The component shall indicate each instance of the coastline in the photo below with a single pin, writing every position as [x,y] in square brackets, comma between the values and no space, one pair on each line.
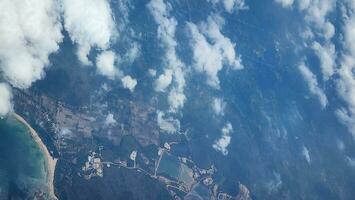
[50,161]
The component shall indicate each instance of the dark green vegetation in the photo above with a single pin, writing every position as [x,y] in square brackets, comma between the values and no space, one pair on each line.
[117,183]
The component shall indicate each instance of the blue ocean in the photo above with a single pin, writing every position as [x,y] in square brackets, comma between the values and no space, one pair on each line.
[22,169]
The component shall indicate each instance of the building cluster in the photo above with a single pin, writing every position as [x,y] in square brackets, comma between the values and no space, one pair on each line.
[93,166]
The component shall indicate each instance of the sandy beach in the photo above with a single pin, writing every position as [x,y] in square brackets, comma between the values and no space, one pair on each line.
[50,161]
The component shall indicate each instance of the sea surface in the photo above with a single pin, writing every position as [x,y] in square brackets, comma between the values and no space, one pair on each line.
[22,163]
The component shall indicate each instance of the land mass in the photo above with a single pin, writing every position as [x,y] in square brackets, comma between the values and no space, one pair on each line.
[129,157]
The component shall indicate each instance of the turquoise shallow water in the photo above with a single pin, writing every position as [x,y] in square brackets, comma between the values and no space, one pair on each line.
[22,164]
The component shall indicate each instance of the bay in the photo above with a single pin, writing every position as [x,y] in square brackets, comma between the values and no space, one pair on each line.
[22,163]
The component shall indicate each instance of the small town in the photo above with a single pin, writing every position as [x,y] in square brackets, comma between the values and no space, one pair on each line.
[185,182]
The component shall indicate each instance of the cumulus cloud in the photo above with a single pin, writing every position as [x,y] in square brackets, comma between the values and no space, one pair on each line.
[231,5]
[317,12]
[90,25]
[211,49]
[218,106]
[307,34]
[167,124]
[326,55]
[123,12]
[65,132]
[29,32]
[110,120]
[318,27]
[133,52]
[317,17]
[129,83]
[105,63]
[152,72]
[350,161]
[340,145]
[303,4]
[312,83]
[346,81]
[174,73]
[176,99]
[164,80]
[346,115]
[305,153]
[166,31]
[285,3]
[275,183]
[5,99]
[222,143]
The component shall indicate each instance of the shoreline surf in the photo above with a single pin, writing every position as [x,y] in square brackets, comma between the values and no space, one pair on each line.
[50,161]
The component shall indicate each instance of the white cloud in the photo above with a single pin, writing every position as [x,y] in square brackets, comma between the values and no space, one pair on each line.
[174,73]
[167,124]
[305,153]
[176,99]
[90,25]
[312,83]
[212,50]
[350,161]
[5,99]
[218,106]
[152,72]
[318,28]
[110,120]
[340,145]
[316,17]
[164,80]
[123,11]
[326,55]
[307,34]
[285,3]
[206,58]
[222,143]
[105,63]
[275,183]
[347,117]
[227,129]
[317,12]
[303,4]
[29,32]
[129,83]
[65,132]
[346,81]
[133,52]
[231,5]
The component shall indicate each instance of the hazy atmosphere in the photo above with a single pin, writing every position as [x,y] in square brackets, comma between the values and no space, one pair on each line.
[177,99]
